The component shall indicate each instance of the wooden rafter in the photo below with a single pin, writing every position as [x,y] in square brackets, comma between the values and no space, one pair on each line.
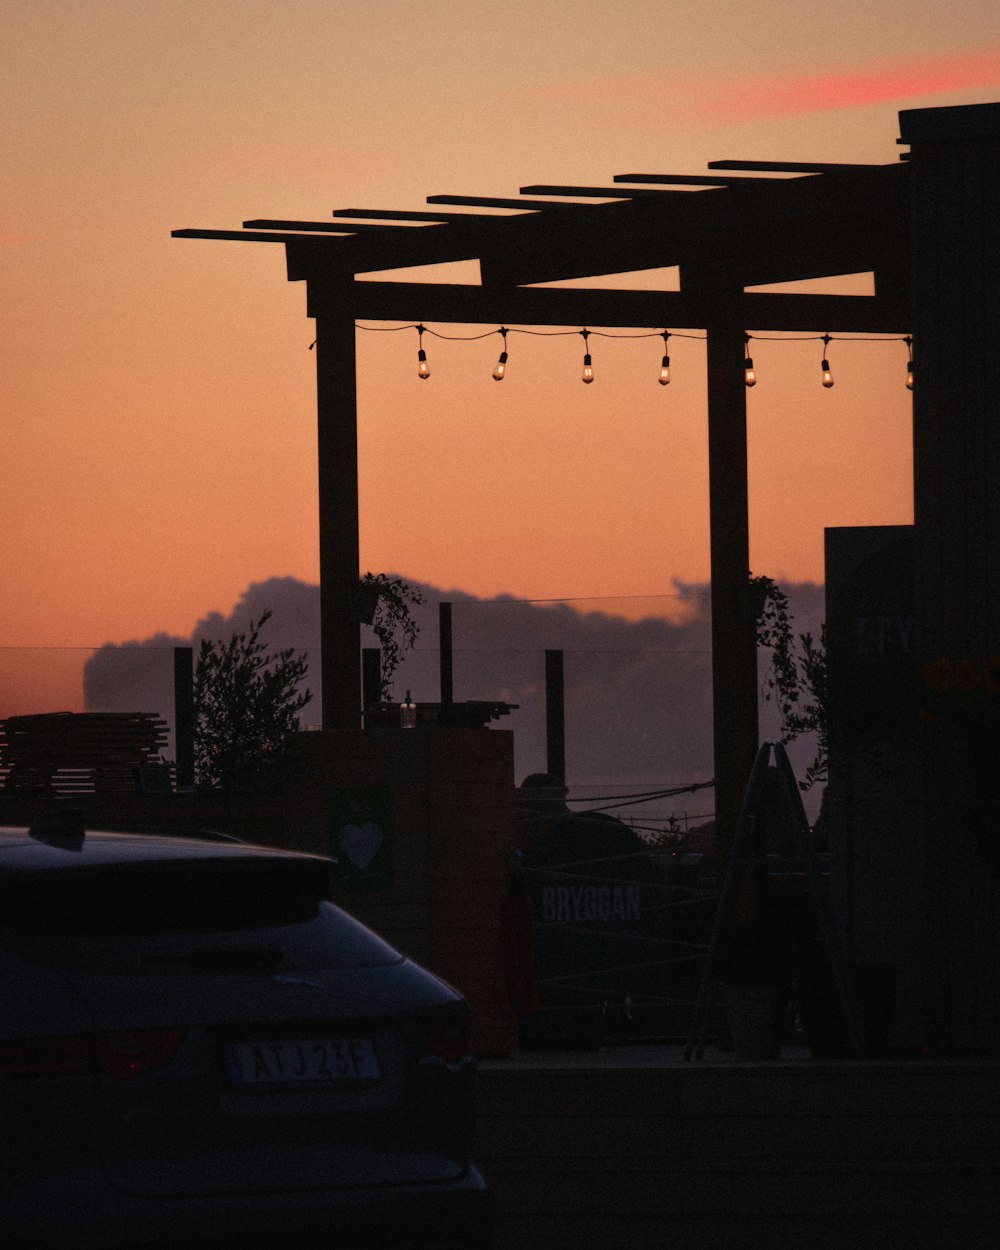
[766,222]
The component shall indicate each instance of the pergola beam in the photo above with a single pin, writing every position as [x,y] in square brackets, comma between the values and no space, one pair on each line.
[394,214]
[262,236]
[753,310]
[793,167]
[698,180]
[598,193]
[326,227]
[493,201]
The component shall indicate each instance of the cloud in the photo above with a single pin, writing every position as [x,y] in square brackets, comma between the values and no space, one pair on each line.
[638,692]
[658,98]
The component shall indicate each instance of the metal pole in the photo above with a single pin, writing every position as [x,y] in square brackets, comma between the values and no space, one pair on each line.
[446,661]
[555,716]
[184,716]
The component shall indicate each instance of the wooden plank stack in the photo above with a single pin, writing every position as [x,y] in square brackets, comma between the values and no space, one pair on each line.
[63,754]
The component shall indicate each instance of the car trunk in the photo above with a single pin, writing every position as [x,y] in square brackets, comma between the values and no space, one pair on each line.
[252,1038]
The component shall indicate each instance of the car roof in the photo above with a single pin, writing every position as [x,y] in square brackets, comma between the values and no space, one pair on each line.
[51,845]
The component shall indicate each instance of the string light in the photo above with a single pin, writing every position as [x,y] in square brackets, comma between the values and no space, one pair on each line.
[664,378]
[588,368]
[749,376]
[423,369]
[825,364]
[500,369]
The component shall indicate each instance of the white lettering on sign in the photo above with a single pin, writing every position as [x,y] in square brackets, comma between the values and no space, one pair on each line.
[589,902]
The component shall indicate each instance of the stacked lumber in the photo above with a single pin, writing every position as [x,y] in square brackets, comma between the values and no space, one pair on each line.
[70,753]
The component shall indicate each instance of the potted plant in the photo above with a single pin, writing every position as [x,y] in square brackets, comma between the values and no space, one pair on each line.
[754,970]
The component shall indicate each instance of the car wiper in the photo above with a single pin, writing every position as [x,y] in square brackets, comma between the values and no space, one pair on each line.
[254,961]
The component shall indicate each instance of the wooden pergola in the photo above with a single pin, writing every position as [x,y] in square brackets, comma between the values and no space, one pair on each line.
[744,224]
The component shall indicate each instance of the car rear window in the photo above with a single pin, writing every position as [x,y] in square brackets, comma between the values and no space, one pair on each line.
[252,914]
[164,896]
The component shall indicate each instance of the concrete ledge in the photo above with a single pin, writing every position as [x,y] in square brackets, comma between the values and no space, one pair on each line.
[634,1147]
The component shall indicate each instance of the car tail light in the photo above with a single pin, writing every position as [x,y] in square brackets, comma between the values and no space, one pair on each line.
[125,1055]
[120,1055]
[448,1039]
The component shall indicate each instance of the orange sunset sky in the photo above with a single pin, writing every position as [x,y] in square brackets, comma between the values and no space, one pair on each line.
[157,395]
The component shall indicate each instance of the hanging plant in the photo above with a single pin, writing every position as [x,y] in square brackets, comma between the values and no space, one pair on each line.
[385,603]
[797,680]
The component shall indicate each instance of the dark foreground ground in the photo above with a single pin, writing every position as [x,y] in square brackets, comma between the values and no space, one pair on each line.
[632,1147]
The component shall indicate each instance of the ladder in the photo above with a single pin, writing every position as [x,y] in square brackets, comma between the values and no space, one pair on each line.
[772,792]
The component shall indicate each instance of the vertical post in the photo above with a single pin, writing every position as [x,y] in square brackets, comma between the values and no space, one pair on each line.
[555,716]
[371,677]
[184,716]
[446,659]
[734,640]
[336,400]
[955,180]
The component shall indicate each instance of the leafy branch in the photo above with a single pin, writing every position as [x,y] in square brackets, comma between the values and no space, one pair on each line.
[385,604]
[798,677]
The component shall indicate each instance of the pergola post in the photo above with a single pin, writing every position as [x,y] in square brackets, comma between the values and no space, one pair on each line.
[337,445]
[734,642]
[955,175]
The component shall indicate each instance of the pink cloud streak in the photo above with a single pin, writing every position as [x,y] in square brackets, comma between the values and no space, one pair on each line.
[656,98]
[877,83]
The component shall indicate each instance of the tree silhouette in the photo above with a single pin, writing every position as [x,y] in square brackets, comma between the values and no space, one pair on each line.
[246,706]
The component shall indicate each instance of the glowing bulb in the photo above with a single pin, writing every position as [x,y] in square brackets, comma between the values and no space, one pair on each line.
[664,378]
[909,375]
[588,368]
[824,364]
[501,368]
[749,377]
[423,369]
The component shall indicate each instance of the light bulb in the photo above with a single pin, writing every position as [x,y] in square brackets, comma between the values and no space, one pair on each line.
[909,376]
[588,369]
[749,377]
[664,378]
[423,369]
[827,375]
[501,368]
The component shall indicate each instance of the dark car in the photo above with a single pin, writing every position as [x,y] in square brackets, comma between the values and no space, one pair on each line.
[196,1046]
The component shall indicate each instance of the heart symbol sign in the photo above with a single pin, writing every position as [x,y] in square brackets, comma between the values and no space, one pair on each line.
[360,843]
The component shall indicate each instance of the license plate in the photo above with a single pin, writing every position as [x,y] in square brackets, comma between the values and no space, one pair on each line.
[303,1061]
